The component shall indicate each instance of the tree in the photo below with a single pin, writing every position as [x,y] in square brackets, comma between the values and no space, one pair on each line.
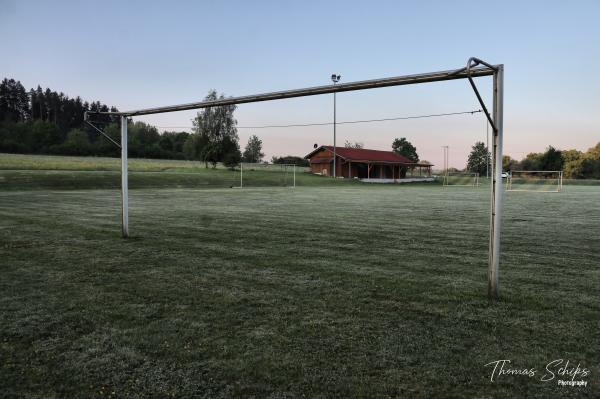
[46,136]
[478,159]
[404,147]
[76,143]
[210,154]
[290,160]
[143,140]
[572,164]
[230,152]
[14,101]
[531,161]
[591,163]
[252,152]
[551,159]
[194,147]
[213,125]
[356,144]
[508,163]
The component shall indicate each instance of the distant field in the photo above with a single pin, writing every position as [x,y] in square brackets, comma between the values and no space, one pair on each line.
[31,172]
[321,291]
[54,162]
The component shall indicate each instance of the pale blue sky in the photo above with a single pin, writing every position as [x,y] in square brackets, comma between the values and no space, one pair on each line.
[147,53]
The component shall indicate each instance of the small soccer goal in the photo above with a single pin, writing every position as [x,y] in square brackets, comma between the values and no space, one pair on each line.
[535,180]
[461,179]
[266,175]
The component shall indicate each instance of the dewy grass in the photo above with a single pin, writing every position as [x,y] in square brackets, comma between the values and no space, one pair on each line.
[339,291]
[32,172]
[54,162]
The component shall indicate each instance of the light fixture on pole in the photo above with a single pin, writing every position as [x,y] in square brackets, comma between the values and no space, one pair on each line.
[334,78]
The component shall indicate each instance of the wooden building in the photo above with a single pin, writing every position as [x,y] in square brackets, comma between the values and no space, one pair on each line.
[364,164]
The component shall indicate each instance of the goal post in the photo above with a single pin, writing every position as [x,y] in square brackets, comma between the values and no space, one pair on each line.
[475,68]
[549,181]
[461,179]
[267,175]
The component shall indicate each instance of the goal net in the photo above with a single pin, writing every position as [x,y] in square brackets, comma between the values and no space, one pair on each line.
[535,180]
[461,179]
[266,175]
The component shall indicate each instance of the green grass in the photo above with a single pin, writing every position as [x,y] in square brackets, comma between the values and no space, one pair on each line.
[33,172]
[348,291]
[54,162]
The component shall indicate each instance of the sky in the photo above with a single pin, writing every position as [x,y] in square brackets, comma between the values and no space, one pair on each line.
[139,54]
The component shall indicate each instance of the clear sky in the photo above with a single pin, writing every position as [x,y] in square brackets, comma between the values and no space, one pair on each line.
[135,54]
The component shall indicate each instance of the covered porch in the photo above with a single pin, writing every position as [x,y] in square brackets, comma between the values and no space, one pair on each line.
[382,170]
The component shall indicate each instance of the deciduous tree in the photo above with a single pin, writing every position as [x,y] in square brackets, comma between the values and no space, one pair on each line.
[478,158]
[405,148]
[253,151]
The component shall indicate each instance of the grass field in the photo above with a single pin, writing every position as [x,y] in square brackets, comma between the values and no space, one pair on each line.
[29,172]
[327,290]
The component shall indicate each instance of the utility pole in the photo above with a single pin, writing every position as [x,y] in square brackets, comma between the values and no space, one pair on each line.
[334,78]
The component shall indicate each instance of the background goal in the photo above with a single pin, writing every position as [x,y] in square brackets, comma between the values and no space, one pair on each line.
[461,179]
[267,175]
[535,180]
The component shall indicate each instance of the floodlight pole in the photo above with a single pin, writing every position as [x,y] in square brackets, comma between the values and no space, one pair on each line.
[496,214]
[124,188]
[334,143]
[334,78]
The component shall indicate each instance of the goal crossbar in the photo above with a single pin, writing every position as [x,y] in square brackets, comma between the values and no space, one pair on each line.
[474,68]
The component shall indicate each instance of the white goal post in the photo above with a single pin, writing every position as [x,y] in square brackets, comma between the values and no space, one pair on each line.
[267,175]
[545,181]
[475,68]
[461,179]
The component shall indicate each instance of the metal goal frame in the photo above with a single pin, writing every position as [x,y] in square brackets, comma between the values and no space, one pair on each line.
[474,176]
[559,180]
[292,166]
[475,68]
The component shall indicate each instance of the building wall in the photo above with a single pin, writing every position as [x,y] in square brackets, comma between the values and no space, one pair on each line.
[357,169]
[321,168]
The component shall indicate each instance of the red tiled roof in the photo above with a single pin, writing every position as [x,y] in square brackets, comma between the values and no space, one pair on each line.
[363,154]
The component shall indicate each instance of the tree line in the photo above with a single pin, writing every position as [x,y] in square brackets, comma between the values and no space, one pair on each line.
[46,122]
[574,164]
[42,121]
